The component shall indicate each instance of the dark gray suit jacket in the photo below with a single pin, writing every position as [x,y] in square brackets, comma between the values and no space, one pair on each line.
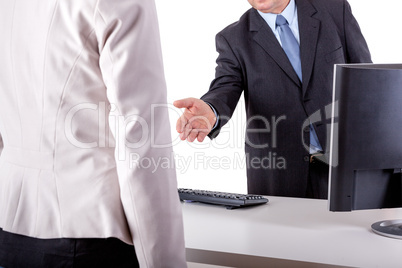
[252,61]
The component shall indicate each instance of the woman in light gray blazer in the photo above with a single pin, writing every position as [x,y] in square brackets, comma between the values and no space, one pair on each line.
[86,168]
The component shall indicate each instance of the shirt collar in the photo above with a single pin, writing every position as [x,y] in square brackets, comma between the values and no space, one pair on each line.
[289,13]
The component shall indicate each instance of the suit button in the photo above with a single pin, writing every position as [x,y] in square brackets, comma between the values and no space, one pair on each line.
[306,129]
[307,158]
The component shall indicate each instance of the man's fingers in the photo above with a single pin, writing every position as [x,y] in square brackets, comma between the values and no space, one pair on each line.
[201,136]
[198,134]
[181,123]
[186,131]
[200,122]
[184,103]
[192,136]
[196,124]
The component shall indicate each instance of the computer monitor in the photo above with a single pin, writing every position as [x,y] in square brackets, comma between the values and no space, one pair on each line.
[366,140]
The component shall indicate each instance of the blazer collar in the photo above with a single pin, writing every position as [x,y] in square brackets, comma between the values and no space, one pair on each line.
[308,31]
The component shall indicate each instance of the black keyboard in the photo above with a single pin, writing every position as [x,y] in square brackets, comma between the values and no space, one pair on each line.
[229,200]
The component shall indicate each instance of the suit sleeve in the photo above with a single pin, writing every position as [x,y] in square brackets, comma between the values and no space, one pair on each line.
[227,87]
[132,69]
[356,47]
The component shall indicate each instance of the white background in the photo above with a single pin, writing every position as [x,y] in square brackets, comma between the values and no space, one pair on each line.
[188,30]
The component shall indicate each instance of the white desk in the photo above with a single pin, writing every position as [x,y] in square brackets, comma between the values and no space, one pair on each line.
[288,232]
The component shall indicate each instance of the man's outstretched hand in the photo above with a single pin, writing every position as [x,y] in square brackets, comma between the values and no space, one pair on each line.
[197,120]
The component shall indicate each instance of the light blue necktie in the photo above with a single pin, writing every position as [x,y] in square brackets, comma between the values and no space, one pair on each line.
[292,50]
[289,44]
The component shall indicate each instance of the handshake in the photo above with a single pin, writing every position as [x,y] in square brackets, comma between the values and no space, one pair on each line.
[197,120]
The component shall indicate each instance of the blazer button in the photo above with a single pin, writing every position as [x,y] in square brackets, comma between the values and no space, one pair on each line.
[306,129]
[307,158]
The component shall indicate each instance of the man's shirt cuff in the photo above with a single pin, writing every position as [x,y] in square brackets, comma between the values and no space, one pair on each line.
[216,115]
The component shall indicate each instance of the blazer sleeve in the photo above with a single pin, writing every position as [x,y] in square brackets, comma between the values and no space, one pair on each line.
[227,87]
[356,46]
[132,69]
[1,144]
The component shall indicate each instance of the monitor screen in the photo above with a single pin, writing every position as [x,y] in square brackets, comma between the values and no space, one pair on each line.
[366,137]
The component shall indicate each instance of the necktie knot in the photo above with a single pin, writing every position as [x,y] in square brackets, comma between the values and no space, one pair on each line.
[280,20]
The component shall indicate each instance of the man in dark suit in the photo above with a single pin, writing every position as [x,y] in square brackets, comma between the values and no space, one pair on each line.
[284,103]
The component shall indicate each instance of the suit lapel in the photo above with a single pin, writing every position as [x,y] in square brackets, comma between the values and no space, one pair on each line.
[267,40]
[308,30]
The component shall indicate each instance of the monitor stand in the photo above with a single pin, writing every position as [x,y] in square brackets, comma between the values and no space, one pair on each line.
[392,228]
